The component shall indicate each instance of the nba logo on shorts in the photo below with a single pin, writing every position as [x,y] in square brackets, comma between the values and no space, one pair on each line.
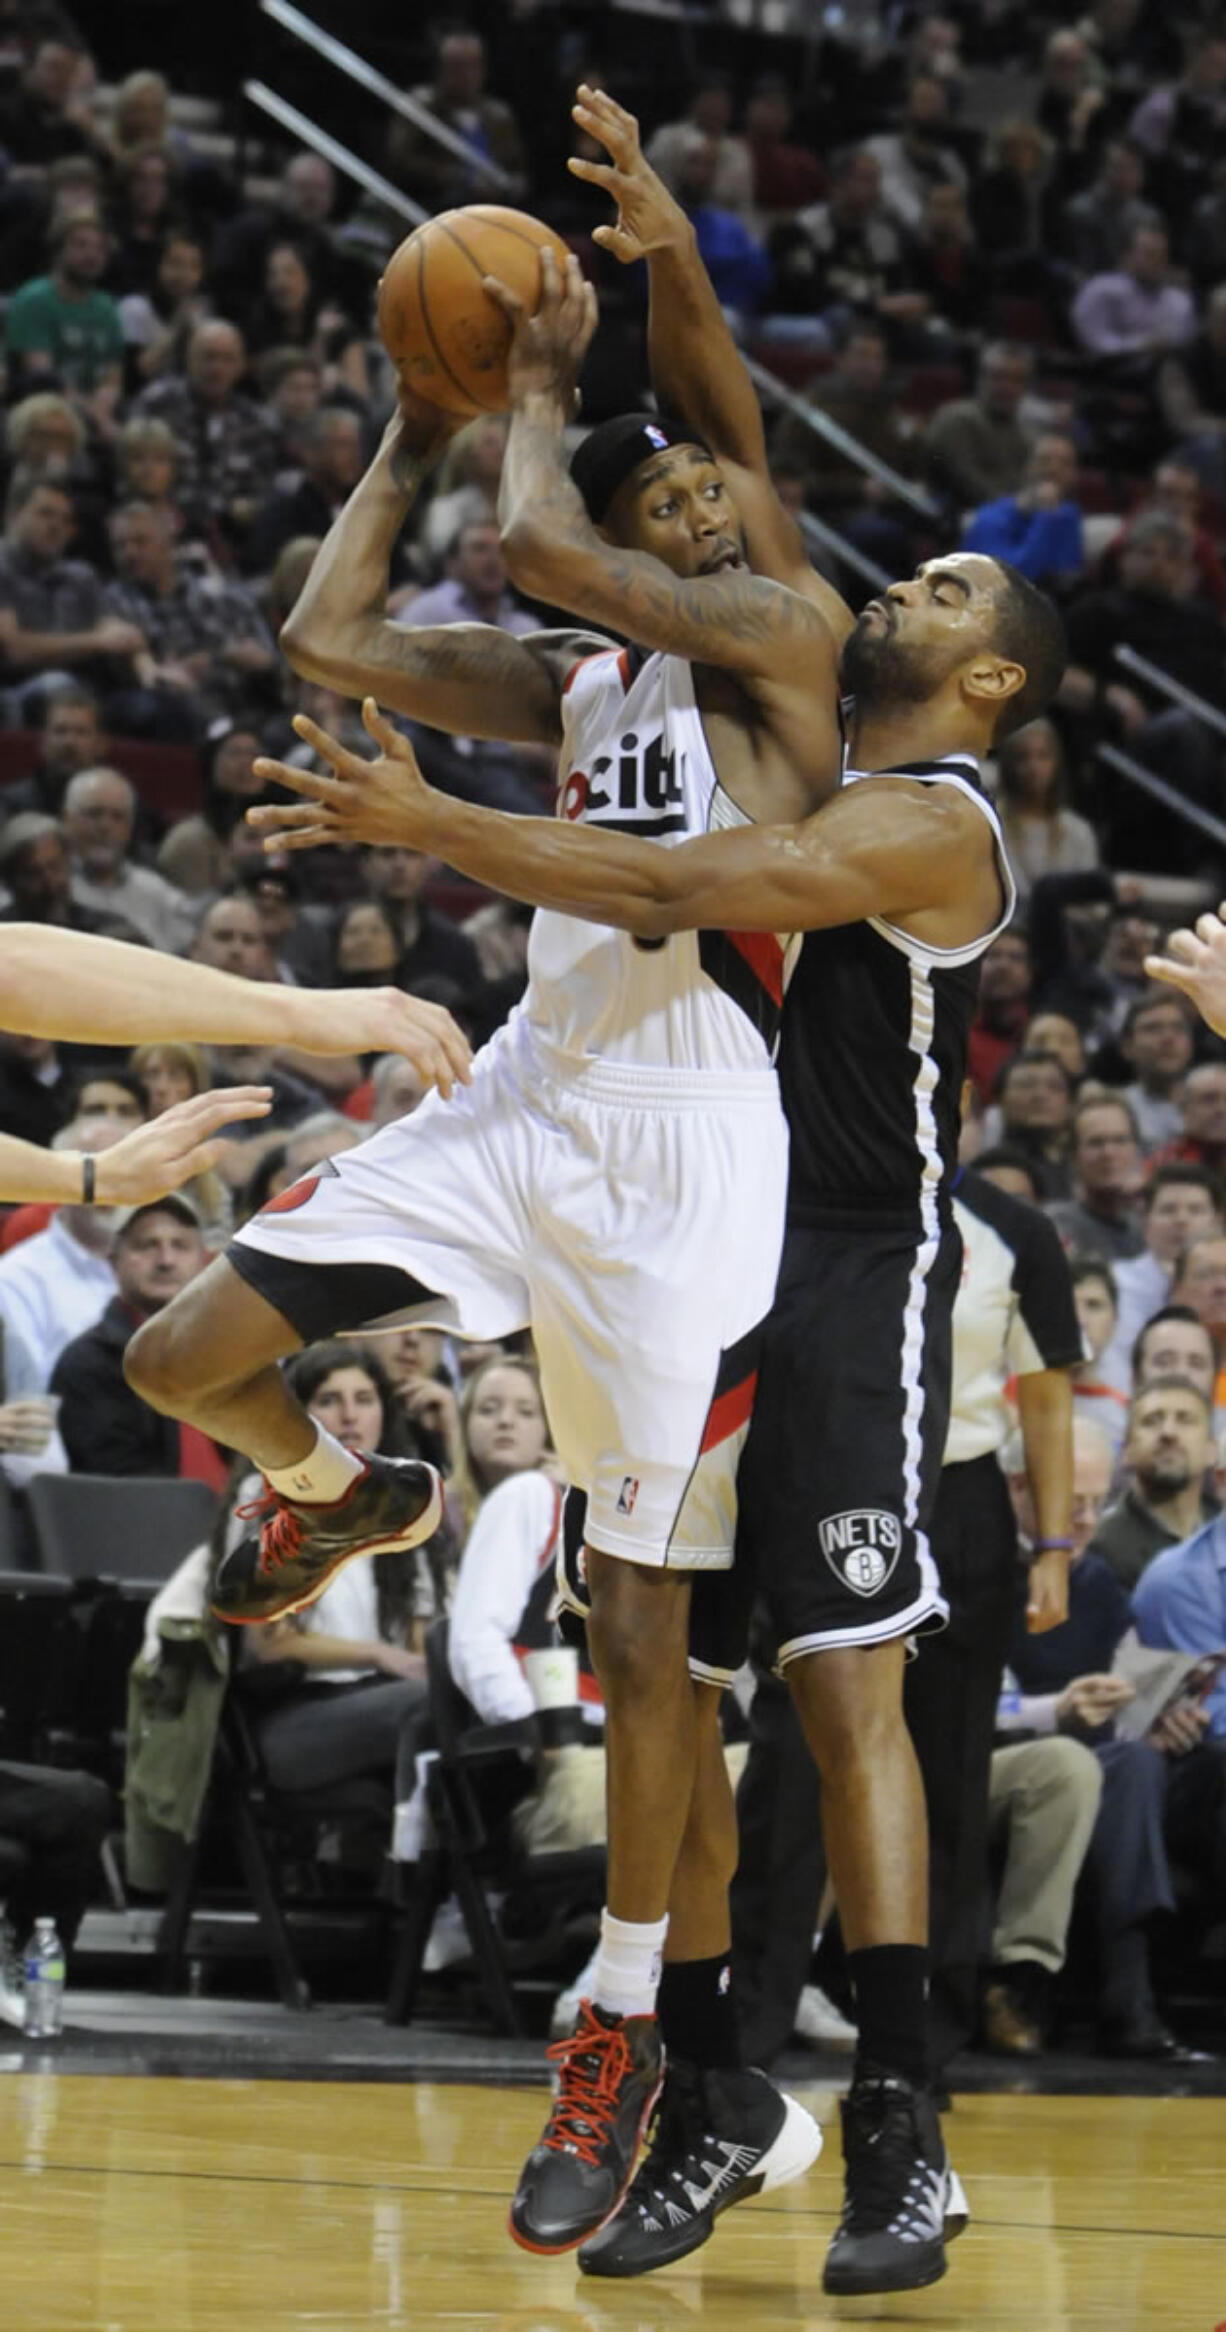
[627,1494]
[861,1547]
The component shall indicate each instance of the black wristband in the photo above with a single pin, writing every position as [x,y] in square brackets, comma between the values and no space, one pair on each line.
[89,1177]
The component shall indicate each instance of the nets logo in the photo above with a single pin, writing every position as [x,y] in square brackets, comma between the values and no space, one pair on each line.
[861,1547]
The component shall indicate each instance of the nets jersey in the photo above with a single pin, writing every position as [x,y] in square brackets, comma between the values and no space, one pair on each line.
[635,760]
[873,1052]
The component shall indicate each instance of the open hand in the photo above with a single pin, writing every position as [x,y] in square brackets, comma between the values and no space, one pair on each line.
[386,800]
[648,218]
[385,1020]
[1196,962]
[175,1147]
[548,348]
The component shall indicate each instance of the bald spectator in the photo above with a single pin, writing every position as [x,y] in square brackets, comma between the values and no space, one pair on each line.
[72,739]
[230,936]
[457,95]
[917,156]
[208,648]
[52,615]
[98,822]
[228,442]
[330,450]
[976,447]
[707,120]
[62,326]
[1104,1218]
[1134,313]
[1071,100]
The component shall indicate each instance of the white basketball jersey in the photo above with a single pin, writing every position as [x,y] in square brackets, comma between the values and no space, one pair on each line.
[635,760]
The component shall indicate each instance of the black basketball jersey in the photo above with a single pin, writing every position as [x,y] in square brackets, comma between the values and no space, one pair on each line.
[872,1054]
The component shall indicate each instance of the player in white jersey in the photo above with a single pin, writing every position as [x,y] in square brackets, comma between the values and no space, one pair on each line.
[613,1176]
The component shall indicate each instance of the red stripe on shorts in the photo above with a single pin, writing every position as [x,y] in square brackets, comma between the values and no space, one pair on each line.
[732,1410]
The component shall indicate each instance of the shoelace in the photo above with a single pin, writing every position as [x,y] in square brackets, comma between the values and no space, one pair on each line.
[594,2060]
[280,1530]
[880,2167]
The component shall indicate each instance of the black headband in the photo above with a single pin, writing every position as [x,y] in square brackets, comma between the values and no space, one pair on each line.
[610,452]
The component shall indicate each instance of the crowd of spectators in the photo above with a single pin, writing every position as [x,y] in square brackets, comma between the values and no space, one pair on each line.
[996,255]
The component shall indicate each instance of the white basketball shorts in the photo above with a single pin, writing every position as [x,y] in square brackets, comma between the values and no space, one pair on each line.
[631,1218]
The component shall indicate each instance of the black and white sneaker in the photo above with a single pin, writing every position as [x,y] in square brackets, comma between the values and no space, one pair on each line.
[902,2201]
[720,2136]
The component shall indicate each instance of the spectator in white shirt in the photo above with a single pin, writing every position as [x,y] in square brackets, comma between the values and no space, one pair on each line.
[57,1284]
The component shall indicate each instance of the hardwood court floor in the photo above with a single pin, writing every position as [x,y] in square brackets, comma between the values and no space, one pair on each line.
[135,2205]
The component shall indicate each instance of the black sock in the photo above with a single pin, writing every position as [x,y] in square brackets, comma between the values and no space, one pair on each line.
[890,1983]
[697,2012]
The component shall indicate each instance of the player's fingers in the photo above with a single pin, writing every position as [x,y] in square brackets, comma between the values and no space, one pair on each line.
[378,726]
[596,173]
[1183,947]
[315,784]
[272,819]
[501,293]
[1208,928]
[322,834]
[551,283]
[206,1112]
[616,240]
[342,760]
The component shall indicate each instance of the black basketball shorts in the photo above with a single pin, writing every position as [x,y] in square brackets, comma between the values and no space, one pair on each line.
[840,1470]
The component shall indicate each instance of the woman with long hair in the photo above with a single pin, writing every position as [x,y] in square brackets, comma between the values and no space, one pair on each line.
[354,1705]
[196,853]
[503,1429]
[1042,835]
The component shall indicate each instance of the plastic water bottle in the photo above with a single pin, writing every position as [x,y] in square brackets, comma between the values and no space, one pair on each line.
[44,1982]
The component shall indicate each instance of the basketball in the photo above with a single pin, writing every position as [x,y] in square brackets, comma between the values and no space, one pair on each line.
[446,337]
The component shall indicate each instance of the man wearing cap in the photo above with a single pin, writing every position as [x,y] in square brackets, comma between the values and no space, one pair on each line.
[105,1427]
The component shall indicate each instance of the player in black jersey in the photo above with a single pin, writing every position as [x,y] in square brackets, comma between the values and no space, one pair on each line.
[899,882]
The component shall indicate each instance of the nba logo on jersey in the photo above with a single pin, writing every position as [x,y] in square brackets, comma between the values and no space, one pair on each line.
[627,1494]
[861,1547]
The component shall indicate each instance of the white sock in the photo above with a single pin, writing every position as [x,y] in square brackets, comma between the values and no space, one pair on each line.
[628,1964]
[319,1479]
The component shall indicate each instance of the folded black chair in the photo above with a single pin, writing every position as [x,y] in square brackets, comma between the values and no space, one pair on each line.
[473,1782]
[129,1527]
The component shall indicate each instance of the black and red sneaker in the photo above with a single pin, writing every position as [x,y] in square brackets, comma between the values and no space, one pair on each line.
[610,2071]
[289,1560]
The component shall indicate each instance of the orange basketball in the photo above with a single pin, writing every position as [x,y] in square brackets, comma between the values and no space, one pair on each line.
[446,337]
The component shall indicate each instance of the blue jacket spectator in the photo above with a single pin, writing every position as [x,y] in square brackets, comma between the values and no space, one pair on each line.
[733,258]
[1179,1605]
[1038,529]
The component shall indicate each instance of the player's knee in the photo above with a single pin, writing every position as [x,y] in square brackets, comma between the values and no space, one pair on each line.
[167,1364]
[850,1704]
[636,1631]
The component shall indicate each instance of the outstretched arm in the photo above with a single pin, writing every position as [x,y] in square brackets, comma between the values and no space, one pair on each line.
[696,366]
[736,620]
[83,990]
[144,1165]
[471,679]
[887,846]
